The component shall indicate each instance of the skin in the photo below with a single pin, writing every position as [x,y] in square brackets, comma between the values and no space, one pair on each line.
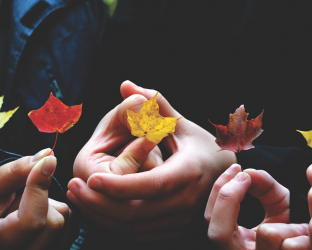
[135,193]
[30,220]
[273,233]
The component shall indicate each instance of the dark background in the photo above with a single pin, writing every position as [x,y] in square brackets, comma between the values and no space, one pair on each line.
[209,57]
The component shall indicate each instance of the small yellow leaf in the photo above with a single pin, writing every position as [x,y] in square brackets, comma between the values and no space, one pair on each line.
[1,101]
[5,116]
[148,122]
[308,136]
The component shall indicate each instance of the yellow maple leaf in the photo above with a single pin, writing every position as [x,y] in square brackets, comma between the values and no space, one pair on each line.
[149,123]
[308,136]
[5,116]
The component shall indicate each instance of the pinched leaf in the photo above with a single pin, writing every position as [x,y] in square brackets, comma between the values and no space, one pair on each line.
[5,116]
[239,133]
[148,122]
[308,136]
[55,116]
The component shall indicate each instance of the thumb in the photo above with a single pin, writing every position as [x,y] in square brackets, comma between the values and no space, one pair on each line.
[34,202]
[132,157]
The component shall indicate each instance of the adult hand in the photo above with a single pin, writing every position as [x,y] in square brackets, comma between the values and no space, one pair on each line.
[30,220]
[148,205]
[223,208]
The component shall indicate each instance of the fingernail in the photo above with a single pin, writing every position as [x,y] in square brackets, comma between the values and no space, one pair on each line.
[94,183]
[241,177]
[233,169]
[47,165]
[40,155]
[74,189]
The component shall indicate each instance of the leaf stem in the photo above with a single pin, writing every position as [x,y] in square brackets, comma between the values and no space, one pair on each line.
[54,143]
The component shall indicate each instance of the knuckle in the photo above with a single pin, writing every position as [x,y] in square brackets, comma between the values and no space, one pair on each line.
[215,235]
[217,186]
[158,184]
[55,222]
[267,233]
[62,208]
[226,194]
[38,223]
[16,168]
[197,174]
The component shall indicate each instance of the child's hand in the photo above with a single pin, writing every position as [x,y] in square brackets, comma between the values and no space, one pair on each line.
[224,204]
[30,221]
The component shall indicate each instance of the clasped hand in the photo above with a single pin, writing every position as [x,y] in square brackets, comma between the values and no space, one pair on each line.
[123,183]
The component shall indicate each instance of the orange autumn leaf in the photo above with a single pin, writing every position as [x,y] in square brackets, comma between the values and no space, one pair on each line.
[55,116]
[239,133]
[149,123]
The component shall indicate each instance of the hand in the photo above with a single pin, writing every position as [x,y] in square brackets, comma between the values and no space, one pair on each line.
[30,220]
[149,205]
[309,175]
[223,208]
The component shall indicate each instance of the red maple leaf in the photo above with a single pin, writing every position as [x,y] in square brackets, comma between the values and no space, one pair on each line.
[55,116]
[239,133]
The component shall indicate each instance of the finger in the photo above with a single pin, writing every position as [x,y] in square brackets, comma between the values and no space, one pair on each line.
[296,243]
[273,196]
[112,133]
[270,236]
[154,158]
[20,227]
[128,88]
[13,175]
[222,180]
[61,207]
[34,203]
[183,127]
[133,157]
[51,232]
[309,174]
[310,201]
[223,221]
[98,218]
[144,185]
[310,232]
[169,221]
[132,210]
[5,203]
[14,205]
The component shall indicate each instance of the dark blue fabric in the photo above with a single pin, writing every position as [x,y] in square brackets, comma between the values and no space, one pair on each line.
[49,44]
[55,43]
